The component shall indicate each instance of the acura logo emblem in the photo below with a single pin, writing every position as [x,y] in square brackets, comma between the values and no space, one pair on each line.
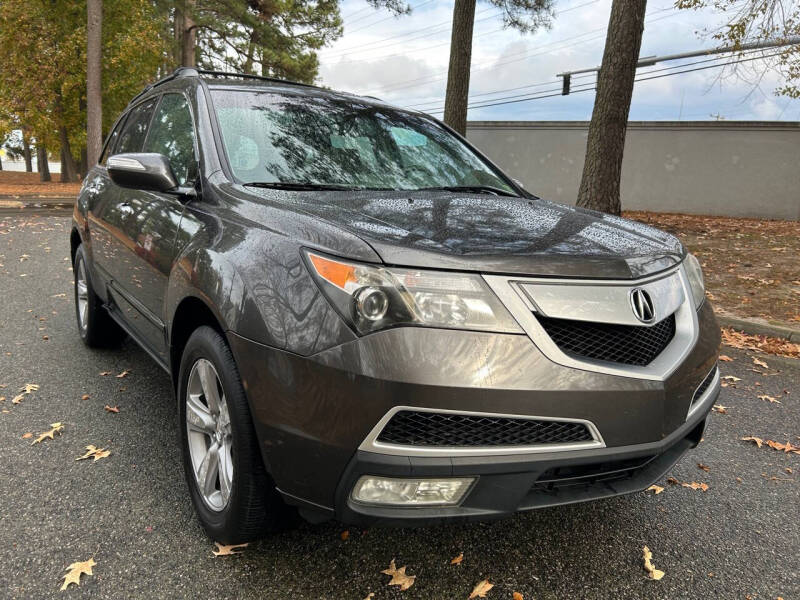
[642,305]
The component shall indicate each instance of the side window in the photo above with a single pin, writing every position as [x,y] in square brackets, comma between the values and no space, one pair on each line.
[112,139]
[132,137]
[172,134]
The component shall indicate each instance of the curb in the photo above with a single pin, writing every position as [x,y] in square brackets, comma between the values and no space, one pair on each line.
[36,203]
[760,328]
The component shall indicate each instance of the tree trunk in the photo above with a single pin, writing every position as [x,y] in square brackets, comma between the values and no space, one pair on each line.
[1,164]
[69,171]
[189,37]
[177,30]
[26,152]
[602,169]
[41,162]
[455,102]
[94,69]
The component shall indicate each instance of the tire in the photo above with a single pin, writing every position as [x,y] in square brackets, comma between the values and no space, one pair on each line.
[97,329]
[236,501]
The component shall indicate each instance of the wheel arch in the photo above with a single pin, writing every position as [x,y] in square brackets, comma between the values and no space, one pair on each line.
[192,312]
[75,240]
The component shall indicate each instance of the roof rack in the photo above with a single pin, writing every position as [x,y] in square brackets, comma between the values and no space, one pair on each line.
[176,74]
[250,76]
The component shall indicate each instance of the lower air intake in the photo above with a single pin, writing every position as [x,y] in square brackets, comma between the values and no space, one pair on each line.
[413,428]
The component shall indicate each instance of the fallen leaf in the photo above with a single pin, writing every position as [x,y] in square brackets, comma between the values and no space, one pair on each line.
[656,488]
[344,535]
[104,373]
[26,436]
[481,589]
[457,560]
[760,363]
[648,565]
[758,441]
[789,470]
[672,481]
[696,486]
[123,374]
[223,550]
[111,409]
[723,410]
[55,428]
[75,570]
[17,399]
[725,358]
[94,452]
[771,399]
[731,378]
[703,467]
[369,596]
[85,397]
[517,596]
[30,387]
[787,447]
[399,576]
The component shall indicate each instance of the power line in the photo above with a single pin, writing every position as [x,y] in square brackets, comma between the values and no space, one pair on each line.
[582,75]
[387,18]
[593,86]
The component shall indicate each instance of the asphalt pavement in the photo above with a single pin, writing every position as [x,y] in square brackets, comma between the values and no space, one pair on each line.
[131,513]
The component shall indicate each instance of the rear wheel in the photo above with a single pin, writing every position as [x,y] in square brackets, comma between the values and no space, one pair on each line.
[96,327]
[232,493]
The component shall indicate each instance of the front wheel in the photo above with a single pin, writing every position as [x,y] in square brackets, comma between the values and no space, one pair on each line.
[230,488]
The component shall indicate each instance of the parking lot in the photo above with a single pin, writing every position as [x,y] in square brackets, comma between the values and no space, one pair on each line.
[131,513]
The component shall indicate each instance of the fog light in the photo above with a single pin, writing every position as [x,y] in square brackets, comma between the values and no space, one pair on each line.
[372,303]
[411,492]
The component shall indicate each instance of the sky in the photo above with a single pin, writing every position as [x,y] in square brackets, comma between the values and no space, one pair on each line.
[404,61]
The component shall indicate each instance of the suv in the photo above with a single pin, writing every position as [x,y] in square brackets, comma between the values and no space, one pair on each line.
[365,319]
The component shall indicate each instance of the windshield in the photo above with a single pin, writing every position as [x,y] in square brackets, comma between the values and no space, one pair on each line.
[287,138]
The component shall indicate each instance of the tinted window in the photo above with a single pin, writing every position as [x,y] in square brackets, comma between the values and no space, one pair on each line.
[135,130]
[110,142]
[172,134]
[326,140]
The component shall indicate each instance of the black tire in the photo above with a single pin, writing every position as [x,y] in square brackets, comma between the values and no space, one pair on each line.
[253,508]
[98,330]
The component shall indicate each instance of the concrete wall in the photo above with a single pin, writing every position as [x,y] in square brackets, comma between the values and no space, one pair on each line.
[740,169]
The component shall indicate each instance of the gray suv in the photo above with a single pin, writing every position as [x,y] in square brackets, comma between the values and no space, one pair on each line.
[365,319]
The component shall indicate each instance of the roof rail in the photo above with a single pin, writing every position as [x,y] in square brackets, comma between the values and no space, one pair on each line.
[250,76]
[176,74]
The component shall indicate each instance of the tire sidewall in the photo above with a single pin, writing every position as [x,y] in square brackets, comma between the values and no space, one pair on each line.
[80,257]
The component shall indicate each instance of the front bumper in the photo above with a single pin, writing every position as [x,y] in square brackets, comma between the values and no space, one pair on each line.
[313,413]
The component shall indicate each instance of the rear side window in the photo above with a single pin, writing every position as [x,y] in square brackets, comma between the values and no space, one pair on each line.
[172,134]
[112,139]
[133,134]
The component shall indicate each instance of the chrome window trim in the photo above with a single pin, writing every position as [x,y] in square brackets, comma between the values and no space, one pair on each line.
[713,387]
[521,306]
[371,443]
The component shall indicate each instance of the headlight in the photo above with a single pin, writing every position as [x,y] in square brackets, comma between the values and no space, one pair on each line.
[695,274]
[372,298]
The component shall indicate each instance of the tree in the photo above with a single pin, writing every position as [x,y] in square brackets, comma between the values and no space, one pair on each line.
[756,21]
[94,75]
[602,169]
[524,15]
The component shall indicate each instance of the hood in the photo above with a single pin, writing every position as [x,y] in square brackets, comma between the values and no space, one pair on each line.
[494,234]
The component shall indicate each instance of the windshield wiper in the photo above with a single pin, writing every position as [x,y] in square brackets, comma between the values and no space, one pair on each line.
[475,189]
[300,185]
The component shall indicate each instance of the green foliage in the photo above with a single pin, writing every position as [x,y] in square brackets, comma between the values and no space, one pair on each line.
[526,15]
[755,21]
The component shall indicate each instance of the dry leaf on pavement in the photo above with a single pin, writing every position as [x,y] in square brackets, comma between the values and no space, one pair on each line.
[123,374]
[344,535]
[481,589]
[725,358]
[77,569]
[758,441]
[27,436]
[113,409]
[672,481]
[55,428]
[703,467]
[771,399]
[457,560]
[656,488]
[517,596]
[94,452]
[223,550]
[369,596]
[85,397]
[760,363]
[723,410]
[648,565]
[104,373]
[399,576]
[696,486]
[731,378]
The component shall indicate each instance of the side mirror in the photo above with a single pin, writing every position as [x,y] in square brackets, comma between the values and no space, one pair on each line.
[142,171]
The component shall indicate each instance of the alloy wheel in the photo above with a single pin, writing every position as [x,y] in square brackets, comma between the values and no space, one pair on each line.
[82,296]
[209,435]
